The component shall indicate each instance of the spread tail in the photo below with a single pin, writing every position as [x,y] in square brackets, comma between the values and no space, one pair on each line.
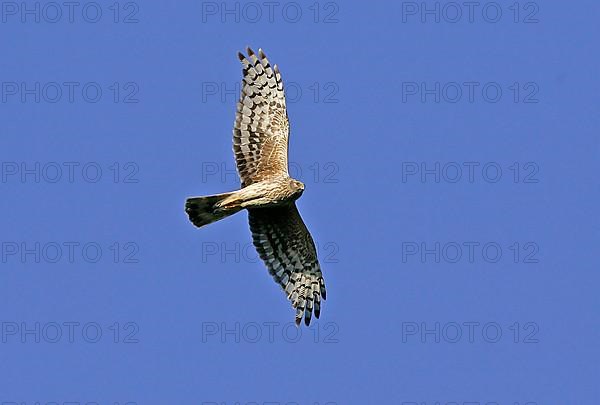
[205,210]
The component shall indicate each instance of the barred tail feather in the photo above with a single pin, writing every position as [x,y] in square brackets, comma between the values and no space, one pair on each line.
[205,210]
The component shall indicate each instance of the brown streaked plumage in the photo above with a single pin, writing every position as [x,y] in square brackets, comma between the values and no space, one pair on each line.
[260,146]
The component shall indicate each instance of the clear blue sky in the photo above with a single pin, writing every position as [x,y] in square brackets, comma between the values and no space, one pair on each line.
[450,157]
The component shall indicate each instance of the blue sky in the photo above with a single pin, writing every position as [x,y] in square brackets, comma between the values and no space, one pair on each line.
[450,156]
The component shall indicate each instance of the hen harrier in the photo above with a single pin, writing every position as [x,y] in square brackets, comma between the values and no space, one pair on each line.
[260,145]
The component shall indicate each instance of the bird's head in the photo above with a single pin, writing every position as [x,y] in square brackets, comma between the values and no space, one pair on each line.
[297,187]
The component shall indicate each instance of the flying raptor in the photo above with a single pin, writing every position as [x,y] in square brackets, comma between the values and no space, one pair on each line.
[260,144]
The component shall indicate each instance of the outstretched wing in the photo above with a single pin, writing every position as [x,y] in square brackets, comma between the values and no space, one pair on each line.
[261,129]
[285,245]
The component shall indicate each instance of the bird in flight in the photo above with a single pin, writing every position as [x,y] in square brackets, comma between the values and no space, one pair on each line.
[260,144]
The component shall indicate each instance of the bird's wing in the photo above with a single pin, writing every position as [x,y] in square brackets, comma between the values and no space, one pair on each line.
[261,129]
[285,245]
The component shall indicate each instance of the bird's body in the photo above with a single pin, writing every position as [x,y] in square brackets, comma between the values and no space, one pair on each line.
[260,142]
[266,193]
